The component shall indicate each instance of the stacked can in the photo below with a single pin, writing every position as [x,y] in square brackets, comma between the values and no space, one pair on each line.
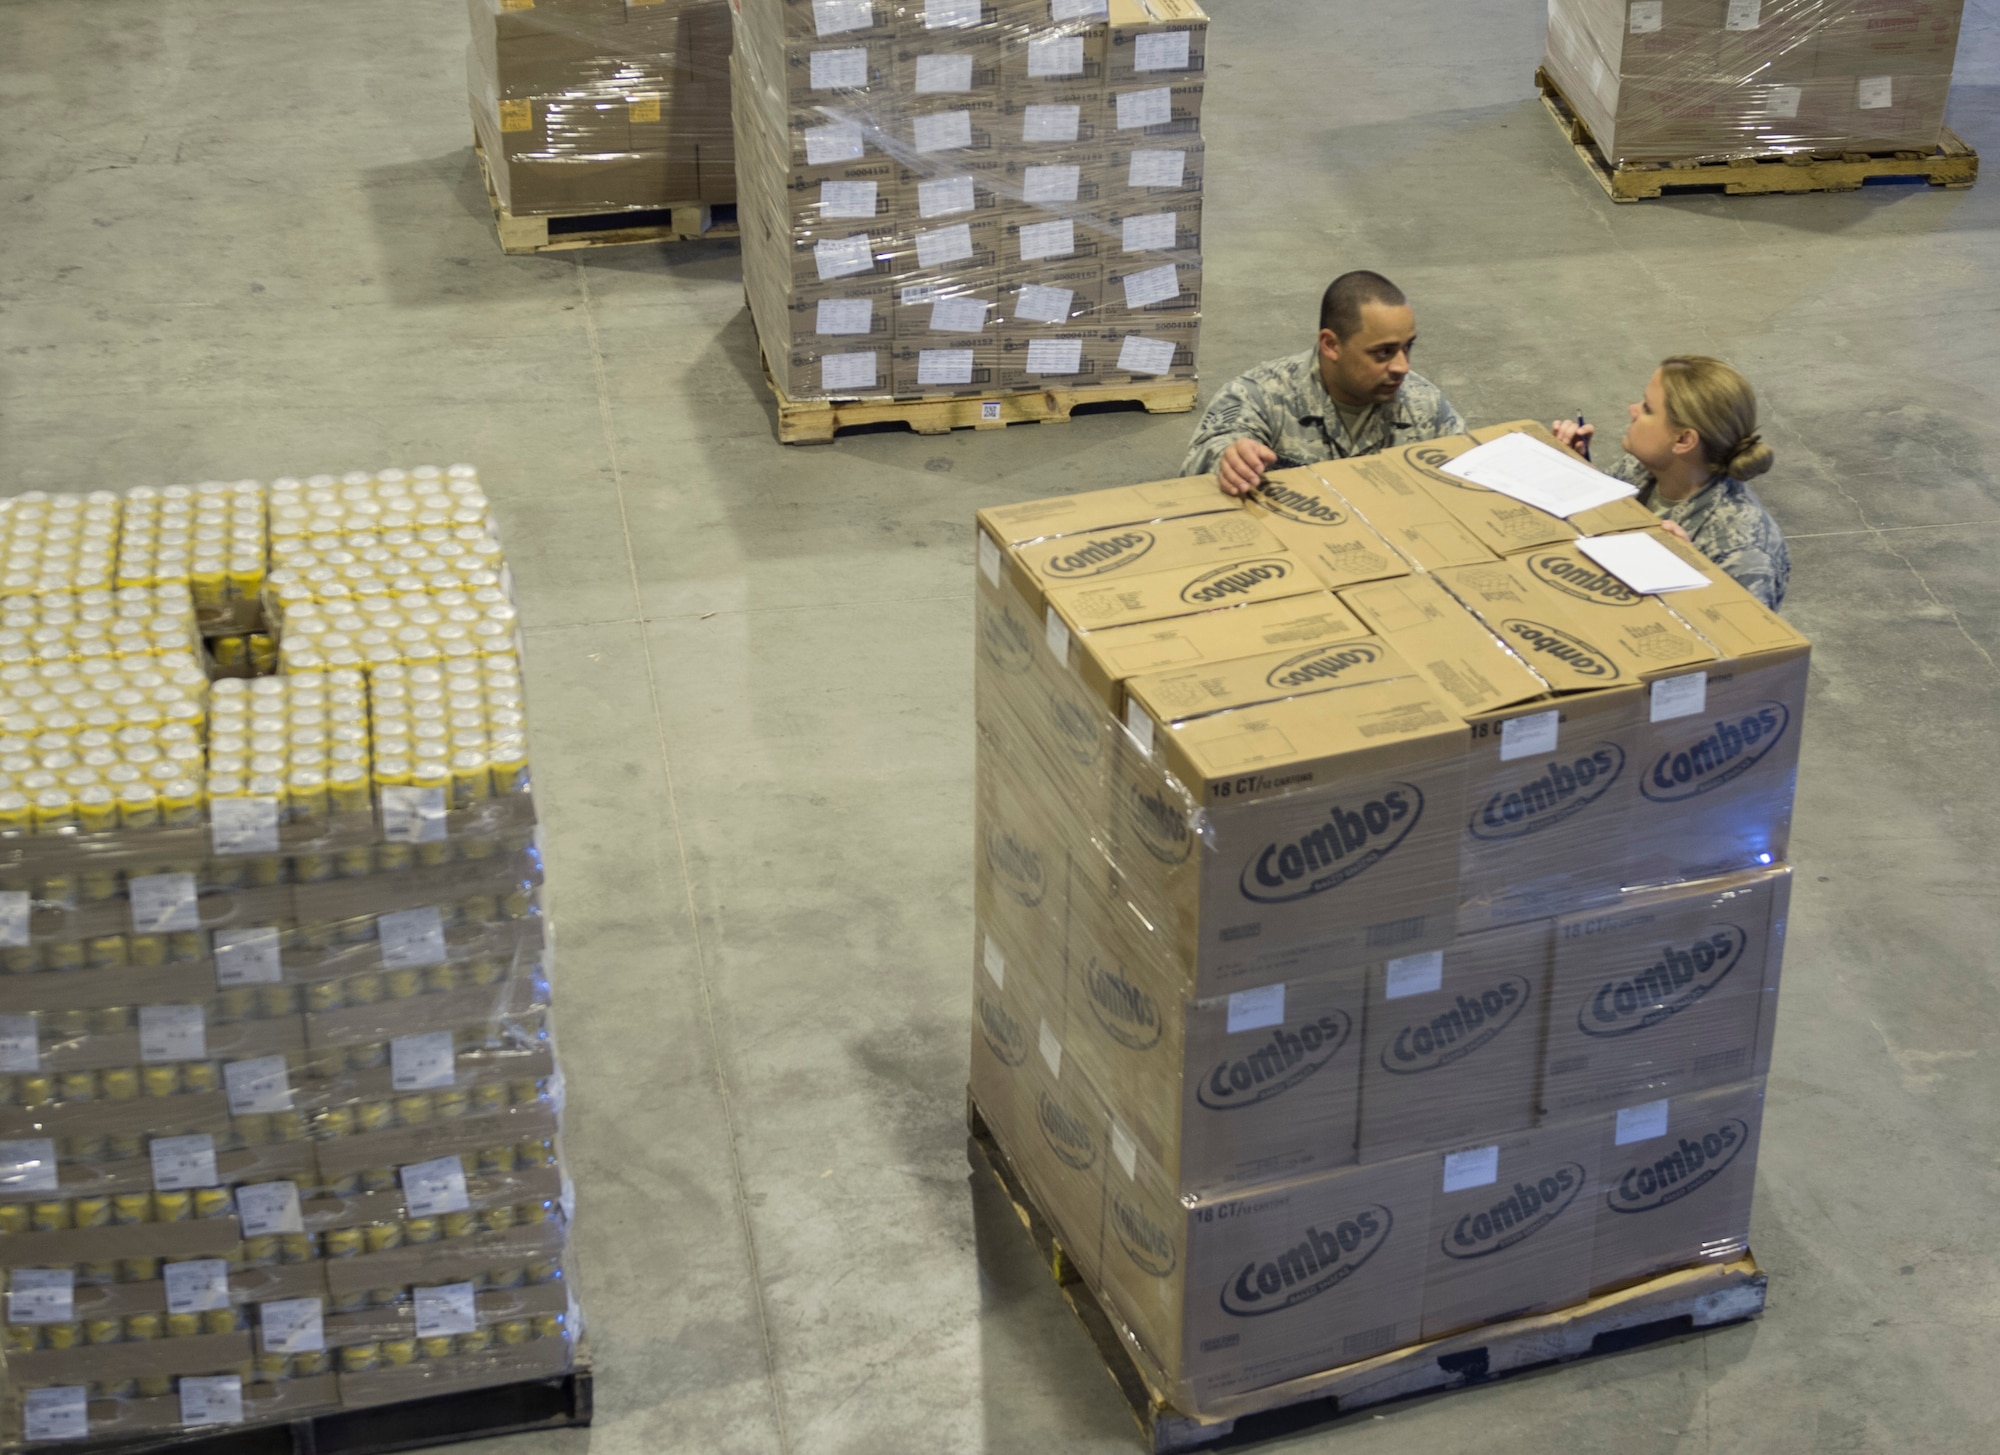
[98,625]
[209,537]
[57,543]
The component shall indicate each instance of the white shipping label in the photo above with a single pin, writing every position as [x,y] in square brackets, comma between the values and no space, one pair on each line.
[258,1086]
[942,246]
[1055,355]
[172,1033]
[1055,55]
[1523,737]
[943,131]
[1061,10]
[1055,634]
[989,559]
[847,199]
[14,909]
[835,17]
[1680,696]
[1048,239]
[211,1400]
[1875,93]
[1744,15]
[1051,1050]
[838,142]
[1123,1149]
[950,14]
[1153,285]
[944,366]
[844,316]
[432,1189]
[845,372]
[1038,304]
[1641,1123]
[411,938]
[995,961]
[1050,184]
[843,257]
[413,815]
[1646,16]
[1165,50]
[1783,101]
[248,956]
[944,196]
[164,903]
[1145,108]
[1050,123]
[1150,232]
[1146,355]
[20,1044]
[1139,725]
[41,1296]
[959,315]
[243,825]
[196,1286]
[1418,974]
[292,1326]
[1156,169]
[1255,1010]
[28,1165]
[181,1164]
[265,1208]
[1478,1167]
[841,70]
[422,1062]
[59,1413]
[944,75]
[445,1310]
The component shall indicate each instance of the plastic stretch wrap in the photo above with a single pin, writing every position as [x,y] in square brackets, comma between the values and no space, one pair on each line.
[1379,906]
[600,105]
[944,197]
[277,1070]
[1684,80]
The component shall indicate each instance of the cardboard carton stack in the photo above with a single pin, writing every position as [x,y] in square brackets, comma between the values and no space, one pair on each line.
[950,197]
[281,1102]
[1672,80]
[602,105]
[1380,906]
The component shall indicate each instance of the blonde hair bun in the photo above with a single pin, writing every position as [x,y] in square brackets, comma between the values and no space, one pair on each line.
[1752,458]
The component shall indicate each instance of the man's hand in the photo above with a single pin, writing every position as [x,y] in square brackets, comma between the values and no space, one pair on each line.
[1242,466]
[1576,436]
[1673,528]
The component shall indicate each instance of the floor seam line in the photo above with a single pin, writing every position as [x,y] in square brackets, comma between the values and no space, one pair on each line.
[1817,535]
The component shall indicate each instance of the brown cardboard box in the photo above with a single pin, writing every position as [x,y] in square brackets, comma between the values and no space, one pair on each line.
[936,66]
[1678,1177]
[1512,1227]
[944,367]
[1062,1146]
[1035,237]
[839,369]
[958,314]
[1452,1049]
[1145,230]
[1051,124]
[1181,694]
[1151,168]
[1402,512]
[1882,37]
[1153,107]
[1059,183]
[1052,58]
[1204,540]
[1503,524]
[1322,530]
[1158,346]
[1156,595]
[1008,525]
[1047,359]
[1022,869]
[841,74]
[1889,112]
[1072,293]
[1671,991]
[1156,39]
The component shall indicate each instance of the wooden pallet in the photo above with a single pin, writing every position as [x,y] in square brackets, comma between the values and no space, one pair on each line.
[1953,164]
[681,222]
[816,421]
[1672,1304]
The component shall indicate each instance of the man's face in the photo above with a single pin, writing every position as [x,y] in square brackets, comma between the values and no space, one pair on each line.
[1369,367]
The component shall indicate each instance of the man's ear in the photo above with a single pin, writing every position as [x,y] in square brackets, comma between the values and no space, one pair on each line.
[1329,345]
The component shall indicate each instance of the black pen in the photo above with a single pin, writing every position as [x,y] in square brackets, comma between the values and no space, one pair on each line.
[1584,442]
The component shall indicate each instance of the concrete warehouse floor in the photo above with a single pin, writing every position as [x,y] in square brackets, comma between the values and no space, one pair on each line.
[246,239]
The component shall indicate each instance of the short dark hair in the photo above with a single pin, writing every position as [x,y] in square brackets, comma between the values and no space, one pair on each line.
[1340,308]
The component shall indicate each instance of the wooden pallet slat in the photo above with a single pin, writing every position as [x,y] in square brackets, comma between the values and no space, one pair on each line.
[1952,164]
[564,232]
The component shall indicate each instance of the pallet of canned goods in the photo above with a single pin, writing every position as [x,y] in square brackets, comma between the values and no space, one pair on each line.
[279,1100]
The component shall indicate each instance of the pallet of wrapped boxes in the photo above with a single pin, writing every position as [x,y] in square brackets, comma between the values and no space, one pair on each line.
[1757,95]
[1379,911]
[958,212]
[601,122]
[281,1101]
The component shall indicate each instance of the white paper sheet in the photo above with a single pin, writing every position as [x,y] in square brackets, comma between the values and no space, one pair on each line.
[1523,468]
[1642,563]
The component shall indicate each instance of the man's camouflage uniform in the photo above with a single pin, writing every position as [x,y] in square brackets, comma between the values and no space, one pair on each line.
[1727,523]
[1284,405]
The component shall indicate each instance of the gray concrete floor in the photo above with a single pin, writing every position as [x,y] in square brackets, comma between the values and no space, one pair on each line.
[247,239]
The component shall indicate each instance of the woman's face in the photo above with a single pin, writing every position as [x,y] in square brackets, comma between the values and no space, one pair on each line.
[1650,440]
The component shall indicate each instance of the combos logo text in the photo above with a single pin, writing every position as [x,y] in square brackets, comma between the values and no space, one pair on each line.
[1100,554]
[1471,1022]
[1143,1240]
[1017,867]
[1561,791]
[1162,826]
[1322,664]
[1004,1036]
[1319,1260]
[1681,976]
[1212,588]
[1067,1134]
[1128,1014]
[1006,641]
[1297,505]
[1540,642]
[1515,1218]
[1288,1058]
[1724,751]
[1582,578]
[1691,1164]
[1353,839]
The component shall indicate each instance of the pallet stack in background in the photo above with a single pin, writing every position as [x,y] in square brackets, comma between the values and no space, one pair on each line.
[1686,80]
[281,1100]
[600,105]
[1379,907]
[950,197]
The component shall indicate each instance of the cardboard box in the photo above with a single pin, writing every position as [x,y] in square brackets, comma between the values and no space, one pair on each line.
[1160,346]
[935,66]
[1668,992]
[1322,530]
[1149,168]
[1882,37]
[1008,525]
[1051,359]
[1053,126]
[1678,1177]
[944,368]
[1452,1050]
[1052,58]
[1402,512]
[1181,694]
[1209,539]
[1021,875]
[1503,524]
[1034,237]
[1041,185]
[1156,595]
[1152,229]
[838,369]
[844,73]
[1062,1147]
[1153,107]
[1061,295]
[1156,39]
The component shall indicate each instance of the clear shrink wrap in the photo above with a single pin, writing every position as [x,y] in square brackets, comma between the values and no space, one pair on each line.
[1690,80]
[947,197]
[1344,975]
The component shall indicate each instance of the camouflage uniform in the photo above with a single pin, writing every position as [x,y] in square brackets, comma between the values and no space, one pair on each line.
[1728,524]
[1284,405]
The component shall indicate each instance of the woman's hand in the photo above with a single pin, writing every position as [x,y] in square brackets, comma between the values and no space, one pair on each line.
[1673,528]
[1576,436]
